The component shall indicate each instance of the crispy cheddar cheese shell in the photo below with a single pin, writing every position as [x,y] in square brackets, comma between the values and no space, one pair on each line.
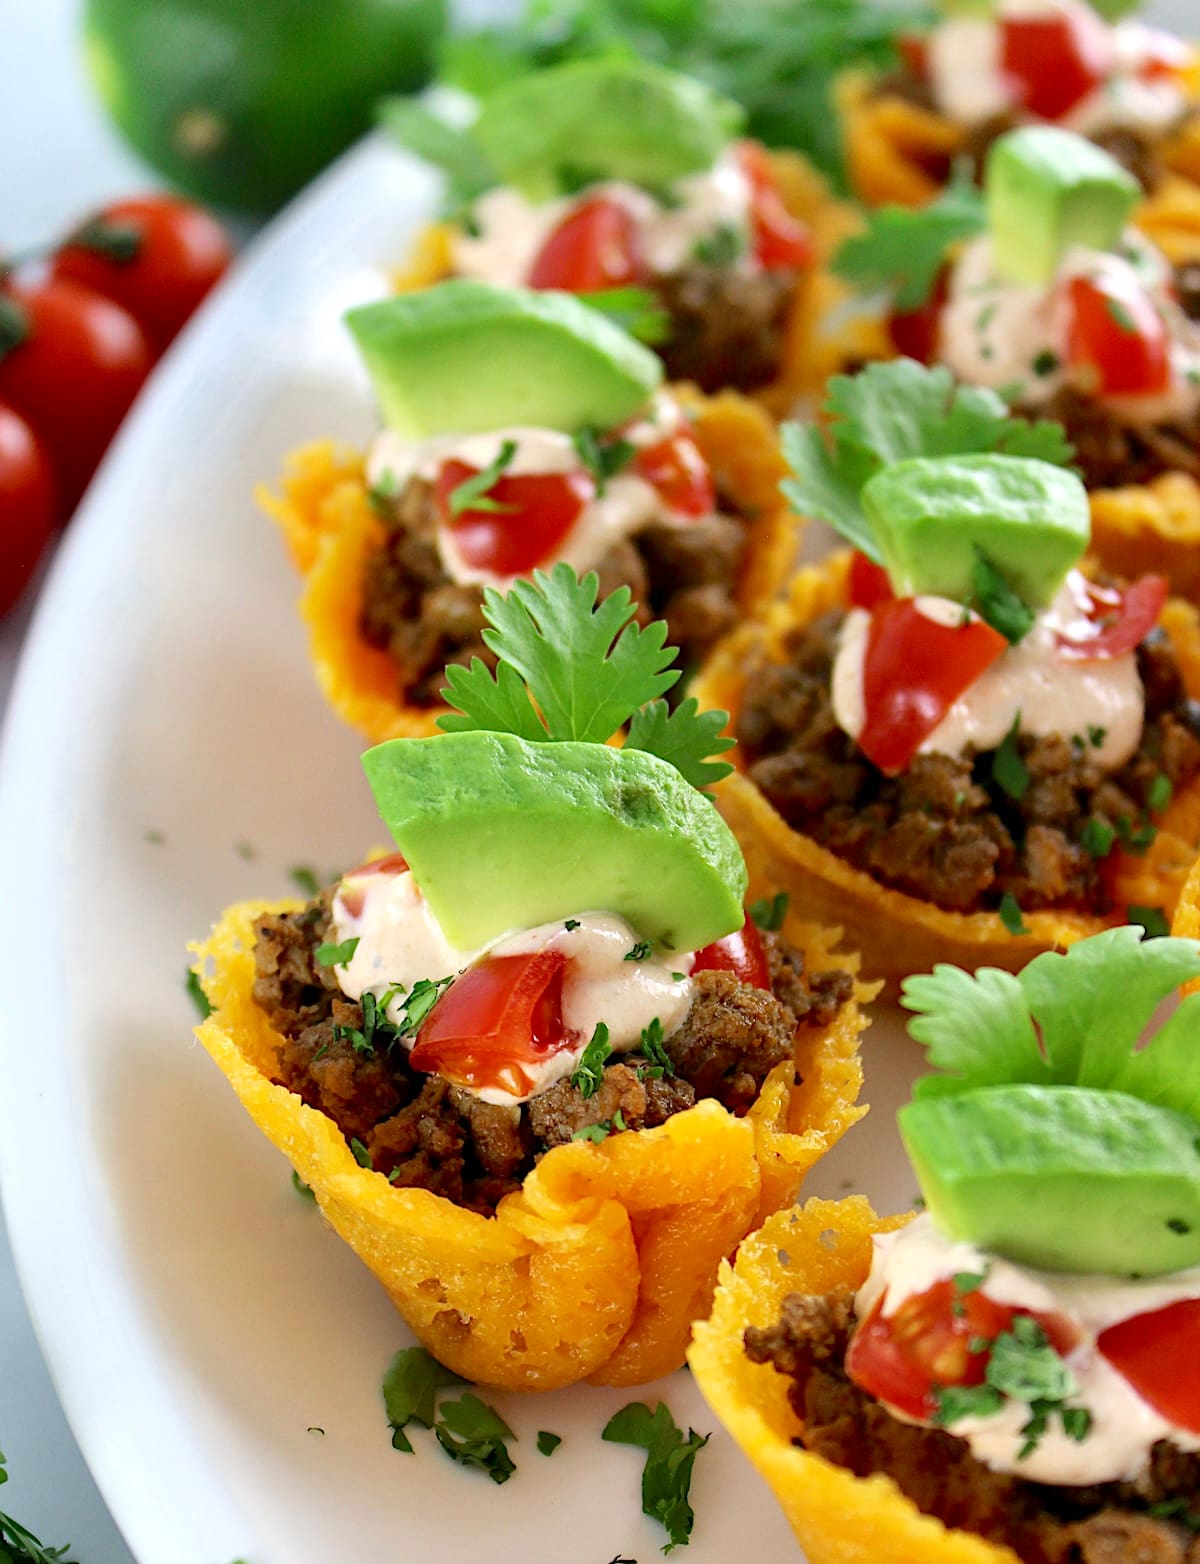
[823,1247]
[900,934]
[813,347]
[330,530]
[597,1267]
[1151,527]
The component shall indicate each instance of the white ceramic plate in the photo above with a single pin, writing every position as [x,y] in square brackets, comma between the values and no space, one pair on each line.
[168,753]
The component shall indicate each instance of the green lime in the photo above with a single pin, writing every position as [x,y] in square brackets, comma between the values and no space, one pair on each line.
[241,101]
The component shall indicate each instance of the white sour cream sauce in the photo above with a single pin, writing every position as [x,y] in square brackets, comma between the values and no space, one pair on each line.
[400,942]
[512,229]
[1124,1427]
[1052,694]
[1004,334]
[969,86]
[627,504]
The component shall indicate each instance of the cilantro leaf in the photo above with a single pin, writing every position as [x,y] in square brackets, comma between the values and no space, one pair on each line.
[473,494]
[594,1132]
[996,603]
[335,955]
[1009,911]
[635,310]
[304,876]
[769,913]
[1009,771]
[653,1046]
[954,1402]
[446,146]
[1024,1366]
[195,992]
[819,487]
[685,737]
[588,1074]
[410,1388]
[602,457]
[667,1476]
[977,1029]
[302,1189]
[903,249]
[547,1442]
[474,1434]
[18,1545]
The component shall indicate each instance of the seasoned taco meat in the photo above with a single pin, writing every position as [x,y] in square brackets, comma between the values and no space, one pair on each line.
[412,610]
[423,1132]
[1110,452]
[1106,1524]
[945,830]
[727,326]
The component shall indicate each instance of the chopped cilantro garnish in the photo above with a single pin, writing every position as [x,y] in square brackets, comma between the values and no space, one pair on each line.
[640,952]
[20,1546]
[1096,736]
[305,877]
[1160,793]
[1137,840]
[903,249]
[653,1047]
[593,1132]
[1179,1509]
[618,1121]
[547,1442]
[422,997]
[589,1072]
[472,494]
[301,1188]
[954,1402]
[571,923]
[996,603]
[1022,1366]
[383,492]
[572,668]
[361,1155]
[966,1282]
[1009,771]
[1097,837]
[1045,363]
[724,247]
[331,955]
[1010,914]
[410,1389]
[474,1434]
[195,992]
[602,458]
[770,912]
[670,1457]
[633,309]
[1153,919]
[1118,312]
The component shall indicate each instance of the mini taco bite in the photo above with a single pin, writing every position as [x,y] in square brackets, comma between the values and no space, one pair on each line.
[1040,290]
[540,1068]
[954,741]
[568,447]
[1008,1375]
[982,70]
[611,174]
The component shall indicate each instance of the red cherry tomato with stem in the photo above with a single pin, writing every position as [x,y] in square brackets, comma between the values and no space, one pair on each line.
[496,1023]
[596,246]
[156,256]
[71,362]
[743,953]
[1055,61]
[1157,1353]
[533,513]
[1117,336]
[679,472]
[27,505]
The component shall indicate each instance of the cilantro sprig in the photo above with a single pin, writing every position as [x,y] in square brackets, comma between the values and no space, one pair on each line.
[635,310]
[589,1072]
[1066,1020]
[670,1458]
[570,668]
[18,1545]
[890,413]
[468,1430]
[903,249]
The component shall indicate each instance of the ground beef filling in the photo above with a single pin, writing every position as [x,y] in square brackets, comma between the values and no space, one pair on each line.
[945,830]
[1110,452]
[1106,1524]
[423,1132]
[727,326]
[412,610]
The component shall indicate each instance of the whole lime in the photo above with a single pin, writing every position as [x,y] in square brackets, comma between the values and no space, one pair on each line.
[241,101]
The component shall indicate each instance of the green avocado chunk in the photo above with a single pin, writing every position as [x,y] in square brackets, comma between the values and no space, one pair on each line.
[465,357]
[592,120]
[1047,190]
[502,834]
[1067,1178]
[933,516]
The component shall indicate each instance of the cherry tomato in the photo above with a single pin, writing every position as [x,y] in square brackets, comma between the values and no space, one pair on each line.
[71,362]
[26,505]
[679,472]
[742,953]
[1116,334]
[1055,61]
[1157,1353]
[913,672]
[780,240]
[917,333]
[354,897]
[869,584]
[1163,56]
[497,1018]
[902,1357]
[535,512]
[596,246]
[1123,617]
[156,256]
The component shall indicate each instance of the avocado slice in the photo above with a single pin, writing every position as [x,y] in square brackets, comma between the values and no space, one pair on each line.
[933,516]
[502,834]
[591,120]
[1046,190]
[1067,1178]
[465,357]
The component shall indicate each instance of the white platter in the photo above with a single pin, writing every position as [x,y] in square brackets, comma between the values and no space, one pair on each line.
[167,753]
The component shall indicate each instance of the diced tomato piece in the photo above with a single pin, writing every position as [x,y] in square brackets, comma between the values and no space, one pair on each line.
[916,333]
[742,953]
[869,583]
[780,240]
[913,672]
[1157,1352]
[596,246]
[1163,55]
[679,472]
[914,51]
[353,897]
[1055,61]
[902,1358]
[533,515]
[496,1023]
[1123,618]
[1116,333]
